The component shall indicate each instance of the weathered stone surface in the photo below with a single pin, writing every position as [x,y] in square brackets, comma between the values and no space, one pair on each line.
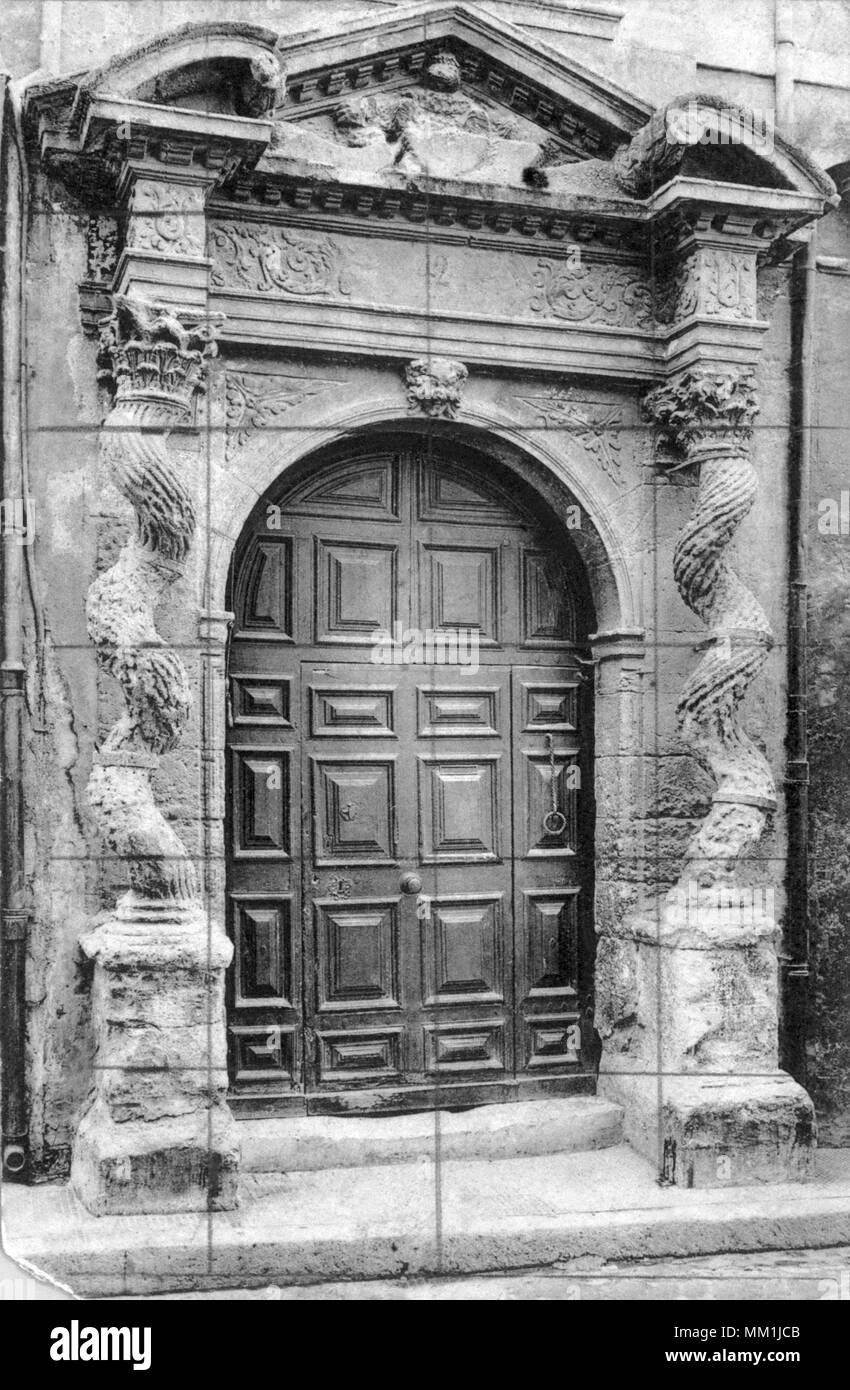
[382,1223]
[297,373]
[715,1131]
[157,1134]
[493,1132]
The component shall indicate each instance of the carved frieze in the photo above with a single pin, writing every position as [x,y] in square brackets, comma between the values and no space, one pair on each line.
[589,292]
[257,400]
[276,260]
[434,385]
[597,428]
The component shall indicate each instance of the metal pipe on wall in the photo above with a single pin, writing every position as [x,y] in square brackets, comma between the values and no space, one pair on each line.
[13,909]
[796,943]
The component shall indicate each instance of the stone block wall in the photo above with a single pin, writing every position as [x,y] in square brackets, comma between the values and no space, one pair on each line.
[81,522]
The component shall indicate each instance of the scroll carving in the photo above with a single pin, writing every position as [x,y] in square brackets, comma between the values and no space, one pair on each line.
[592,293]
[167,217]
[709,415]
[155,366]
[275,260]
[712,281]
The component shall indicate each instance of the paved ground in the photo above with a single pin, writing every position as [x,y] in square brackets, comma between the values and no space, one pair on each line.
[574,1213]
[798,1275]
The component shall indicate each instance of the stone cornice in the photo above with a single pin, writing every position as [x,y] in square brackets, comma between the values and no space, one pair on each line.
[501,47]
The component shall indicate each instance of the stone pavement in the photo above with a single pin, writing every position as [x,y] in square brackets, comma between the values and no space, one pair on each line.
[409,1220]
[802,1276]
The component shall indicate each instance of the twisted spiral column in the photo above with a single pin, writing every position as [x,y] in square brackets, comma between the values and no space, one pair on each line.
[709,415]
[156,366]
[156,1134]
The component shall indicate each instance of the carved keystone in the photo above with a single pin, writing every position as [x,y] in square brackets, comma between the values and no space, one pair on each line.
[434,385]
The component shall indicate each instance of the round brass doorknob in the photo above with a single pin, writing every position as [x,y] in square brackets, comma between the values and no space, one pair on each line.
[411,883]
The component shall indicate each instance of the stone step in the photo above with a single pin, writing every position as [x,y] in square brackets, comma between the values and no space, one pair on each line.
[523,1129]
[394,1220]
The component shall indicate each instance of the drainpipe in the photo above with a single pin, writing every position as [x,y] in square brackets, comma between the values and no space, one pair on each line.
[794,958]
[795,961]
[783,42]
[14,917]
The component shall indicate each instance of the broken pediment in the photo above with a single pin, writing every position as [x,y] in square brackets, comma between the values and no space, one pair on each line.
[445,94]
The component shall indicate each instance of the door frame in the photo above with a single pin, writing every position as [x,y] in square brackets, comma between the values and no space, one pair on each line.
[617,659]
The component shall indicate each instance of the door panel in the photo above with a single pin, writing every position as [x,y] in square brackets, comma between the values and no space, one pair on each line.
[407,867]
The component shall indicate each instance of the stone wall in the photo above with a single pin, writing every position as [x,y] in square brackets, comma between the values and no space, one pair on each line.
[82,521]
[829,693]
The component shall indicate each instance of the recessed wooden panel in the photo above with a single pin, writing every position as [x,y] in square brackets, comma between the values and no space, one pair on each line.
[261,701]
[549,706]
[351,711]
[548,610]
[455,495]
[551,934]
[354,805]
[401,661]
[355,590]
[465,949]
[263,951]
[264,604]
[539,779]
[368,492]
[460,590]
[453,712]
[553,1041]
[459,810]
[263,1053]
[360,1055]
[474,1047]
[261,787]
[358,955]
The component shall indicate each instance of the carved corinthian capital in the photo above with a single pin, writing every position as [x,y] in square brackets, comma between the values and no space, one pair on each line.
[156,365]
[709,414]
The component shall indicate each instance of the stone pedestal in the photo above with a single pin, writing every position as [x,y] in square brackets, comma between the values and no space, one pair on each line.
[687,1009]
[158,1135]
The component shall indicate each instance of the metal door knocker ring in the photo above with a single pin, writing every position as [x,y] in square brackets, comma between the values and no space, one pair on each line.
[554,821]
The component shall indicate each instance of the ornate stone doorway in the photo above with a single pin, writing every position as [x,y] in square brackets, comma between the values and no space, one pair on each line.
[410,822]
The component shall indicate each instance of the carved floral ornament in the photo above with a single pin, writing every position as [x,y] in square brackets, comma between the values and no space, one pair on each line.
[258,400]
[597,428]
[276,260]
[168,218]
[702,408]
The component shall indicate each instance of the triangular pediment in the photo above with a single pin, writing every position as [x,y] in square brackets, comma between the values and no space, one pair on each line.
[502,82]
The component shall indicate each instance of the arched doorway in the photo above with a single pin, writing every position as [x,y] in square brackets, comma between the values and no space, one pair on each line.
[410,789]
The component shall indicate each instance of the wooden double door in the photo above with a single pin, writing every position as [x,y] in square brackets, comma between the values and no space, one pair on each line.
[410,815]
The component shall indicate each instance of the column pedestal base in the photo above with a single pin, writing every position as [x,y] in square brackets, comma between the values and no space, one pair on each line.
[718,1131]
[158,1135]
